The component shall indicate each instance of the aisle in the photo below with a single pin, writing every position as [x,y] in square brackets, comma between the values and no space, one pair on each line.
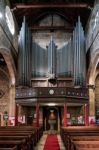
[52,142]
[42,143]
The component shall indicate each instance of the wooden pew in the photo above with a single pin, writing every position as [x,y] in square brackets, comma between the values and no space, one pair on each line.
[12,135]
[37,131]
[20,144]
[72,137]
[28,144]
[86,144]
[11,148]
[87,148]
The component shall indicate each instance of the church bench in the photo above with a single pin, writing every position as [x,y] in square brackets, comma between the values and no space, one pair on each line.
[20,144]
[84,138]
[10,148]
[82,133]
[73,140]
[29,142]
[37,131]
[16,136]
[86,148]
[33,134]
[84,144]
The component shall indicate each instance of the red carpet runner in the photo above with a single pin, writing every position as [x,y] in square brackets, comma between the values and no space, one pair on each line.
[51,143]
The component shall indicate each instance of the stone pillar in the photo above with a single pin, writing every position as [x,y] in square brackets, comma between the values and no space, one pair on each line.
[58,121]
[16,115]
[65,115]
[91,102]
[12,101]
[20,110]
[2,121]
[86,114]
[37,115]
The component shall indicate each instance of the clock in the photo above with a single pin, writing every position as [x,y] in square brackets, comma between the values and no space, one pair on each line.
[51,91]
[9,20]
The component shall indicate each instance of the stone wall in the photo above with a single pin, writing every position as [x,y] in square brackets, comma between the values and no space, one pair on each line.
[3,24]
[8,49]
[60,37]
[4,91]
[92,32]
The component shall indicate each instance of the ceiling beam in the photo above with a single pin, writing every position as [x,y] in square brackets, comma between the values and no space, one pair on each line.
[41,28]
[32,6]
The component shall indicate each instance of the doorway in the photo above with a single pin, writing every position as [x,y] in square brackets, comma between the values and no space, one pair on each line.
[50,114]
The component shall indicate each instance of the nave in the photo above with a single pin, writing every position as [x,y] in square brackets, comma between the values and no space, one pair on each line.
[34,138]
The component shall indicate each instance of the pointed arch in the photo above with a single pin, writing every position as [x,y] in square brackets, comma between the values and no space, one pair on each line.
[10,63]
[92,68]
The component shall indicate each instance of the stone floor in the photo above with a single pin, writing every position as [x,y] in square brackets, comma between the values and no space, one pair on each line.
[40,145]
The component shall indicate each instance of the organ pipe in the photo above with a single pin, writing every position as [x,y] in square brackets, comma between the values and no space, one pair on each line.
[68,61]
[52,58]
[24,65]
[65,67]
[79,55]
[72,57]
[39,59]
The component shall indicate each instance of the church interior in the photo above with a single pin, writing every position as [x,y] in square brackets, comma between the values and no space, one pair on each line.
[49,74]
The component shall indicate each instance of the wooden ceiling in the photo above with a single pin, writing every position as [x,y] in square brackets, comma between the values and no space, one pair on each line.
[34,10]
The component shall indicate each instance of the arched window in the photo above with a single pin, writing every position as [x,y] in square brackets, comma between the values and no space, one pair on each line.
[95,20]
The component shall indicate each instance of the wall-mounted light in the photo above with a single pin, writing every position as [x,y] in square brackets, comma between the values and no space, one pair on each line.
[51,104]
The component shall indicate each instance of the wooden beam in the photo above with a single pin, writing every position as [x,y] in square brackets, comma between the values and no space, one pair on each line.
[35,6]
[68,29]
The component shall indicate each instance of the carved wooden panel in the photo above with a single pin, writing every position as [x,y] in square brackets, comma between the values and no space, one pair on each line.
[52,92]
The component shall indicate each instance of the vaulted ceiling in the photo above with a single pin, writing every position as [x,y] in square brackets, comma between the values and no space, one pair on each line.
[34,10]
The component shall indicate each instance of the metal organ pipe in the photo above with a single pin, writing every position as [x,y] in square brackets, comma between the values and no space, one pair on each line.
[68,61]
[74,49]
[79,55]
[24,55]
[39,64]
[52,58]
[69,58]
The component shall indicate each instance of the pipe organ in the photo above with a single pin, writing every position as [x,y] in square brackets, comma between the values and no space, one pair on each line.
[68,61]
[24,55]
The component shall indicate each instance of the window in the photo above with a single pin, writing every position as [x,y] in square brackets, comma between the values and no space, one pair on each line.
[95,20]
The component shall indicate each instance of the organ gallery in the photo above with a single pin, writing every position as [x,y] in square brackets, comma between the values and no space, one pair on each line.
[49,67]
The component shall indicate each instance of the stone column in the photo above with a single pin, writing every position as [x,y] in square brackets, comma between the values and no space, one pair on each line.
[37,115]
[91,102]
[86,115]
[92,118]
[58,121]
[2,121]
[12,101]
[65,115]
[16,115]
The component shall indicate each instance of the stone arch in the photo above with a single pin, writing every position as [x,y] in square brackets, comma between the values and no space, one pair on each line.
[92,73]
[46,13]
[6,53]
[10,63]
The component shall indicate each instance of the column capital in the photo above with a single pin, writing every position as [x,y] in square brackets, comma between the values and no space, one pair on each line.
[91,86]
